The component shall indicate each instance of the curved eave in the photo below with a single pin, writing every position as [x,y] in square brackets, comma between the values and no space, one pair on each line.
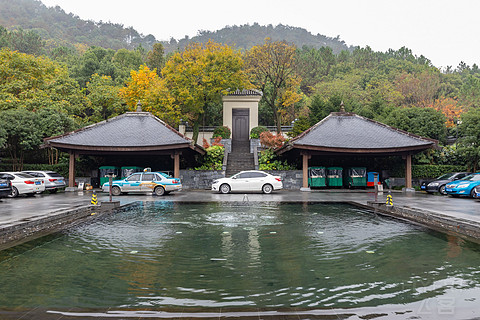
[71,147]
[372,151]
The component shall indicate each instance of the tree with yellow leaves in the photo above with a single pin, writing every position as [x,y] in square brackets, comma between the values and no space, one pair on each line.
[146,86]
[200,75]
[272,67]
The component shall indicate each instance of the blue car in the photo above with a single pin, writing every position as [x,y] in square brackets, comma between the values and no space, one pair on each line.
[464,187]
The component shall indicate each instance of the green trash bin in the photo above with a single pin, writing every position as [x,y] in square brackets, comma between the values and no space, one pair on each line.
[356,177]
[316,177]
[104,170]
[334,176]
[128,170]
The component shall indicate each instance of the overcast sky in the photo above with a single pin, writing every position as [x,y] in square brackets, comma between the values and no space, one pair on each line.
[445,31]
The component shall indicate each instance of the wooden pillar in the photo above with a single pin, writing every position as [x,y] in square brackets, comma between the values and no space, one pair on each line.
[176,165]
[71,170]
[408,171]
[305,158]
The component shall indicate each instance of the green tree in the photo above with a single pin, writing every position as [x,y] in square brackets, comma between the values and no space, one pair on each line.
[156,58]
[22,134]
[22,41]
[426,122]
[35,82]
[469,141]
[320,108]
[200,75]
[470,91]
[273,70]
[104,99]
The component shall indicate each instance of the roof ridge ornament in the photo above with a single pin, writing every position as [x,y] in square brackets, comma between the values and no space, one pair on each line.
[139,106]
[342,107]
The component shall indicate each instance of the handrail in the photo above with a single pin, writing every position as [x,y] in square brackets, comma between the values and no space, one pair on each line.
[225,159]
[255,157]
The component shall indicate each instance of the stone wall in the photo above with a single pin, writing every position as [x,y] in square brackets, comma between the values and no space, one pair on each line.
[199,179]
[202,179]
[292,179]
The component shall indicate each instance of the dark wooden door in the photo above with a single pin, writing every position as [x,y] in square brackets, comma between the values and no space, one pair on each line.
[240,123]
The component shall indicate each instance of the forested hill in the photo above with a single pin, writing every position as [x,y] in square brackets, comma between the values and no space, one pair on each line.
[59,28]
[247,36]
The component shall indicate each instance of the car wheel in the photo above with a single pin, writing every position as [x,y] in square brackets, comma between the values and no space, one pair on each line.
[14,193]
[473,194]
[54,190]
[159,191]
[225,188]
[116,191]
[267,188]
[442,190]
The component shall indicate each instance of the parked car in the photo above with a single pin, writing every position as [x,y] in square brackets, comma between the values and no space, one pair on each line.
[248,181]
[157,182]
[5,188]
[53,181]
[23,183]
[476,191]
[438,185]
[464,187]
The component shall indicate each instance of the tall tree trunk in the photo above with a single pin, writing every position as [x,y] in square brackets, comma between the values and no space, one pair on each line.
[196,127]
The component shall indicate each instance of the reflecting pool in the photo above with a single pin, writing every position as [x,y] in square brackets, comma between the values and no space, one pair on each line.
[166,256]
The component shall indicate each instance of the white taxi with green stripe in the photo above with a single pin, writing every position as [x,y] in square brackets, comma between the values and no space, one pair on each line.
[144,182]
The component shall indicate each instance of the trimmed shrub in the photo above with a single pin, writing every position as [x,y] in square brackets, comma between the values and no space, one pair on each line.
[213,160]
[255,132]
[434,171]
[271,141]
[224,132]
[61,168]
[268,161]
[427,171]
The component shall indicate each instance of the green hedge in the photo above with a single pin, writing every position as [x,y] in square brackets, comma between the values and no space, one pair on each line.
[255,132]
[433,171]
[61,168]
[224,132]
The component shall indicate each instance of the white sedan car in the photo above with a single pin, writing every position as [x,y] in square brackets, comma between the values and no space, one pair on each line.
[247,181]
[53,180]
[23,183]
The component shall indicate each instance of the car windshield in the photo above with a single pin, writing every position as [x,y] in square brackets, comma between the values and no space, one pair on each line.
[134,177]
[24,175]
[54,174]
[472,177]
[446,176]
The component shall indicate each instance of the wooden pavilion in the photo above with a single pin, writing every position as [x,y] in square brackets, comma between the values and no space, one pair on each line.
[132,134]
[343,135]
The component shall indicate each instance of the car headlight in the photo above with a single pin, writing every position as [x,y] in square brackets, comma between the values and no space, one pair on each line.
[215,182]
[462,186]
[433,184]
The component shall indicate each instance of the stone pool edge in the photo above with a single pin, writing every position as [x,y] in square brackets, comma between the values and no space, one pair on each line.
[35,227]
[432,220]
[32,228]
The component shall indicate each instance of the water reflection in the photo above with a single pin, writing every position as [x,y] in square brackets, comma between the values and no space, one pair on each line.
[162,254]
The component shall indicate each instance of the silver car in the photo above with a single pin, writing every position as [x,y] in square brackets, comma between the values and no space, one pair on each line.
[53,181]
[23,183]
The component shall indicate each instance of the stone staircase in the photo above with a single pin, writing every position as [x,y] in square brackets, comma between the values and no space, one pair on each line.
[240,158]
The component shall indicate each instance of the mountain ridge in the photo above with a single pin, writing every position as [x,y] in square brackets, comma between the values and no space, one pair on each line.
[59,28]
